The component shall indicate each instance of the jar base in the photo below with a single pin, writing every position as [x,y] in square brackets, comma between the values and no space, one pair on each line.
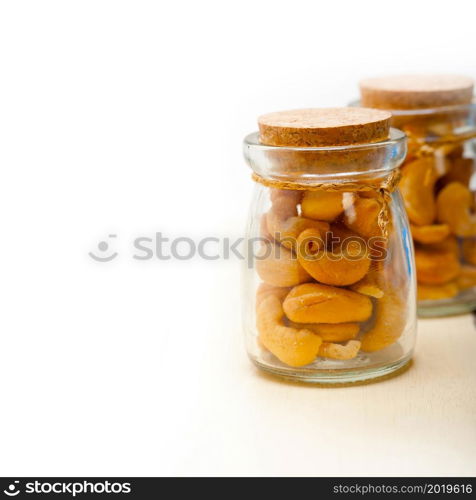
[446,307]
[337,377]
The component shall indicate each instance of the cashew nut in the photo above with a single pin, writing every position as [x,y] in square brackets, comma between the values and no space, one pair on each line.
[469,251]
[461,171]
[339,332]
[277,266]
[430,234]
[389,324]
[291,346]
[322,205]
[417,186]
[368,285]
[315,303]
[437,292]
[339,351]
[435,267]
[343,266]
[361,215]
[293,196]
[263,228]
[454,202]
[467,277]
[264,290]
[286,231]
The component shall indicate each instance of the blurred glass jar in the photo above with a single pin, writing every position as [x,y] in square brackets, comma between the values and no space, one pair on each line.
[438,184]
[329,283]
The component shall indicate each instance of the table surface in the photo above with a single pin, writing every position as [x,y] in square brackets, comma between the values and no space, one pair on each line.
[142,390]
[422,422]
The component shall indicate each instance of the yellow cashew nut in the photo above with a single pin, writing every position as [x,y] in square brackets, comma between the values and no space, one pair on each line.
[435,267]
[322,205]
[438,292]
[277,266]
[460,171]
[449,244]
[293,197]
[291,346]
[467,278]
[344,266]
[339,332]
[339,351]
[264,290]
[430,234]
[368,286]
[417,188]
[454,202]
[469,251]
[286,231]
[361,216]
[314,303]
[390,321]
[263,228]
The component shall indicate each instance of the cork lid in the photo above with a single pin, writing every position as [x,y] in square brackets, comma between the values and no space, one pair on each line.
[416,91]
[324,127]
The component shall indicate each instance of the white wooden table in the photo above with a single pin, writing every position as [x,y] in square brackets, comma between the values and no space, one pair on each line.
[170,391]
[422,422]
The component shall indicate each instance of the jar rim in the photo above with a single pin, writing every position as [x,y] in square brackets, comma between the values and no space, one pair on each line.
[396,136]
[329,163]
[427,111]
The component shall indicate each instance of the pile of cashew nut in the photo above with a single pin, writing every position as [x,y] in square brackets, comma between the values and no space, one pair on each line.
[441,209]
[329,301]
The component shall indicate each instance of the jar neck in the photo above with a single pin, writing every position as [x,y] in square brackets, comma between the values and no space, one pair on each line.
[307,166]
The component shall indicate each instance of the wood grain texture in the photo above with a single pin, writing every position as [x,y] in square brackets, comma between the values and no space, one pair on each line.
[324,127]
[416,91]
[422,422]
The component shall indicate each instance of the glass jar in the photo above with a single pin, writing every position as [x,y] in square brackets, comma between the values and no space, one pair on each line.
[438,183]
[329,282]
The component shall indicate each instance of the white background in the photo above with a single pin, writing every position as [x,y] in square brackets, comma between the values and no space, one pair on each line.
[127,117]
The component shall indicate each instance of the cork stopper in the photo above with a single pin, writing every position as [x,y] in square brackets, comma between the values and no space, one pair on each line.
[324,127]
[416,91]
